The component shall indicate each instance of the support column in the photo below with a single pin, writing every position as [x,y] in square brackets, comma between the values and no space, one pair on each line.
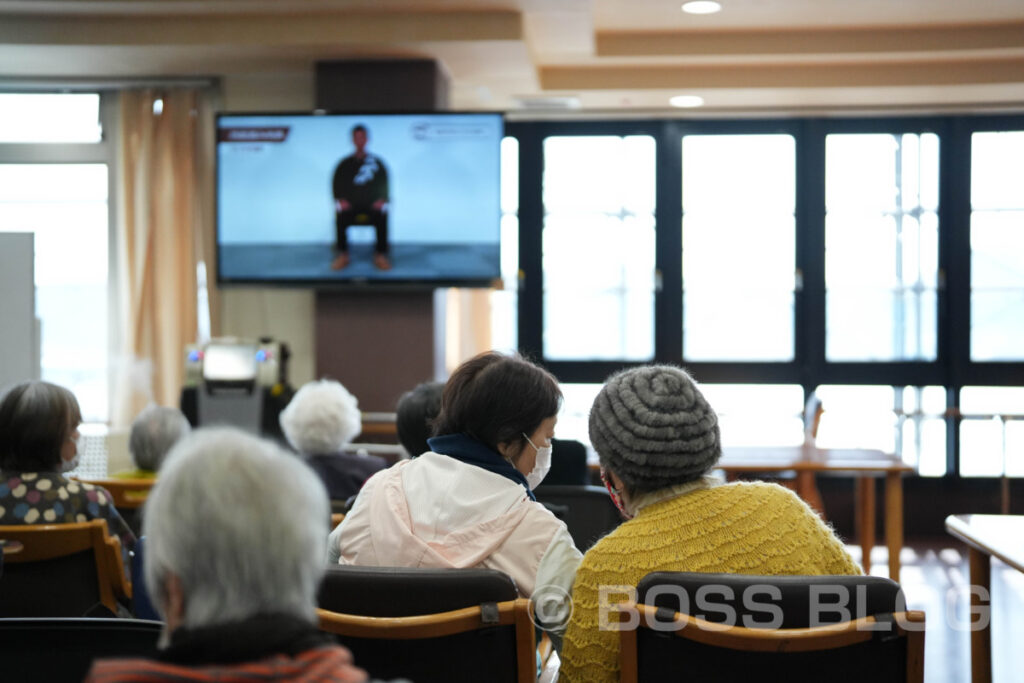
[378,343]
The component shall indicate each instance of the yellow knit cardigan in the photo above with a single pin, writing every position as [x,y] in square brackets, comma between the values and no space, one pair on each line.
[740,528]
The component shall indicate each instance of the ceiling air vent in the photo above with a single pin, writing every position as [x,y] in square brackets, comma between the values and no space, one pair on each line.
[552,103]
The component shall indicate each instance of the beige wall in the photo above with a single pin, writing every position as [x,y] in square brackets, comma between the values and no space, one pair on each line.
[287,315]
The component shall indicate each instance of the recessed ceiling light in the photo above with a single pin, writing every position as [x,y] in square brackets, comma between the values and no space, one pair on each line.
[686,101]
[701,7]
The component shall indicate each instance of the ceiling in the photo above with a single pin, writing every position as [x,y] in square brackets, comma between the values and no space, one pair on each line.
[582,56]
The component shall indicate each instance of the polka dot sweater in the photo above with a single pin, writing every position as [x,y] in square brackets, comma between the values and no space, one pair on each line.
[741,528]
[50,498]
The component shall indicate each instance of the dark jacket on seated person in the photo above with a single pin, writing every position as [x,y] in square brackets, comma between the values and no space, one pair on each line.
[344,474]
[263,648]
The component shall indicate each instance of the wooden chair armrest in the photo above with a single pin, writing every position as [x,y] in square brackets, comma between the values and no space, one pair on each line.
[771,640]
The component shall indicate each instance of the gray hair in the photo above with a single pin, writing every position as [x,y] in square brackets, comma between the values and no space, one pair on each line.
[322,418]
[154,431]
[242,524]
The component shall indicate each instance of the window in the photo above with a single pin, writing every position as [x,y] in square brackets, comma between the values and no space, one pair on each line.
[738,255]
[997,246]
[504,302]
[598,248]
[876,261]
[574,418]
[881,258]
[992,431]
[757,414]
[59,192]
[50,118]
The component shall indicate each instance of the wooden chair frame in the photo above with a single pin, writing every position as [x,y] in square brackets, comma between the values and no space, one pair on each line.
[827,637]
[127,494]
[336,519]
[51,541]
[510,612]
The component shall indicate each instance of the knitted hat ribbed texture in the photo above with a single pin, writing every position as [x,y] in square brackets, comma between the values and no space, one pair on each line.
[653,428]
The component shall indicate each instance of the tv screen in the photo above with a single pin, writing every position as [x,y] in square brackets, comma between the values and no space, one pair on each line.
[323,199]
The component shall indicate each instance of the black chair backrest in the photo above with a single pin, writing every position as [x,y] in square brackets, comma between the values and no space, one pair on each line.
[142,604]
[590,512]
[485,654]
[804,600]
[801,602]
[61,587]
[63,649]
[568,464]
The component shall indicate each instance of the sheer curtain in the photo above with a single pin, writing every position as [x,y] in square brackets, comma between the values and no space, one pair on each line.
[165,230]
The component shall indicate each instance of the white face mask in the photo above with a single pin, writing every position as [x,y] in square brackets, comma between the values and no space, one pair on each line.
[68,465]
[540,466]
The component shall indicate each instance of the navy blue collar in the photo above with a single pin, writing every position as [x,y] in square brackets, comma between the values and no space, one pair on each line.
[466,449]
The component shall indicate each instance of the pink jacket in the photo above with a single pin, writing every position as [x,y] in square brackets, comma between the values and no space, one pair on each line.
[436,511]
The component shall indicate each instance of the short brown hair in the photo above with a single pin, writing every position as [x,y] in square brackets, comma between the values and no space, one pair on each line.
[496,399]
[36,418]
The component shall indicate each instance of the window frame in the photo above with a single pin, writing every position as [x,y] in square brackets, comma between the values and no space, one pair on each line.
[102,152]
[952,367]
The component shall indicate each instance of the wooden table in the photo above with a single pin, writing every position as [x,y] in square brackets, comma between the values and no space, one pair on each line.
[987,536]
[866,464]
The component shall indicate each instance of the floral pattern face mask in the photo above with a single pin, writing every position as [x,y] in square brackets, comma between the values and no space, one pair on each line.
[616,495]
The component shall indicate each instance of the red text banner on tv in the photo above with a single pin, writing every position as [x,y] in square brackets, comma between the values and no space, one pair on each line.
[253,134]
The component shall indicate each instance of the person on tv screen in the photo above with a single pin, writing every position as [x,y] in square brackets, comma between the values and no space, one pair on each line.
[361,198]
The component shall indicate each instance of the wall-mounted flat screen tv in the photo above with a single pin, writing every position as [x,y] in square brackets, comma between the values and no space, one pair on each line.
[358,199]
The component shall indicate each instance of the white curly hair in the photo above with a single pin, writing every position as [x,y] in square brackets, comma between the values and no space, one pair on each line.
[322,417]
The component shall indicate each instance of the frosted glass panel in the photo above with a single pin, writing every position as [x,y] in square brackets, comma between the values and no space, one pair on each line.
[50,117]
[738,247]
[757,414]
[65,206]
[997,246]
[881,247]
[598,246]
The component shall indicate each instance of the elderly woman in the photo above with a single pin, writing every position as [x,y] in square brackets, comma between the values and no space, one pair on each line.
[468,502]
[319,422]
[154,431]
[38,444]
[234,555]
[657,438]
[415,414]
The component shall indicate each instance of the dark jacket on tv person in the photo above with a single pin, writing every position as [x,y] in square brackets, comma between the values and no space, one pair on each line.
[361,181]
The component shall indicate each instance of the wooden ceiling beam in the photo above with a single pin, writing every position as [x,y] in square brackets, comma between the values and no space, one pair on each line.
[805,41]
[817,75]
[358,27]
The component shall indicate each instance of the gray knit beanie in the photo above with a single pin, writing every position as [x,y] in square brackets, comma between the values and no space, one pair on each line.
[653,428]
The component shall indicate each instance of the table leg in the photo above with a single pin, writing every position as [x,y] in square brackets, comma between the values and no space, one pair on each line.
[894,521]
[981,638]
[864,505]
[807,488]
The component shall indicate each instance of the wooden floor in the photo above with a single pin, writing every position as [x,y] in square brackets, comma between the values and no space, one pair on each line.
[935,579]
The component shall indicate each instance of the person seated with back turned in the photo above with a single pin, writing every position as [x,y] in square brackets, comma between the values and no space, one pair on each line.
[154,431]
[235,527]
[319,422]
[415,414]
[38,445]
[657,438]
[468,502]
